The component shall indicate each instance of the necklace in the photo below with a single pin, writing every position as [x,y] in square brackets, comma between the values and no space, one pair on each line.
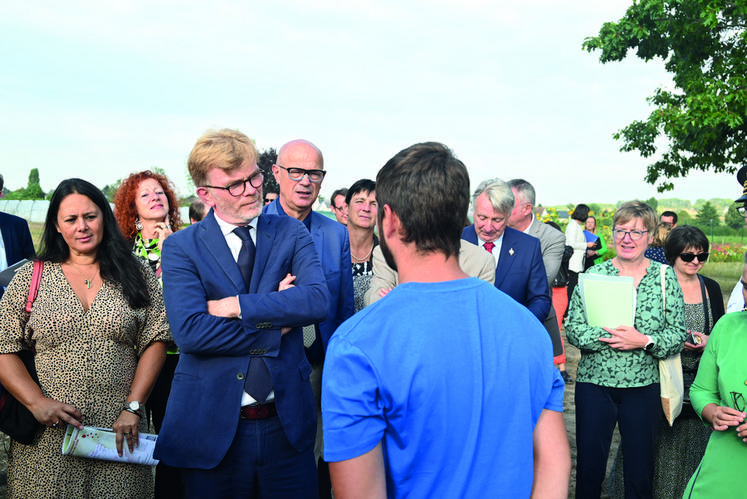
[88,282]
[366,257]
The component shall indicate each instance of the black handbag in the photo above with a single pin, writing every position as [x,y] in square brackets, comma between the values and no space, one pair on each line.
[16,420]
[561,278]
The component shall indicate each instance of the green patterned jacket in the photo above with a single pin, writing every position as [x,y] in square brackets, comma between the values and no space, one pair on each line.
[604,366]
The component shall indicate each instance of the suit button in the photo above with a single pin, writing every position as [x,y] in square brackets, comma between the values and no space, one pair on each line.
[240,376]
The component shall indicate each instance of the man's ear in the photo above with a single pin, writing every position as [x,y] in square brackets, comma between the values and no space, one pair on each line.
[390,224]
[528,209]
[204,194]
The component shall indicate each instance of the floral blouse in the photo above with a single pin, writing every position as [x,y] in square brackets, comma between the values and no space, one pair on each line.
[604,366]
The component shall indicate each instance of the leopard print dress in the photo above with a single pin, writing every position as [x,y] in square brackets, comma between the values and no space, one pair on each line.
[87,359]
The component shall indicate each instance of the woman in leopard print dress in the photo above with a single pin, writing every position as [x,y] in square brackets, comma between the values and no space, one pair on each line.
[98,326]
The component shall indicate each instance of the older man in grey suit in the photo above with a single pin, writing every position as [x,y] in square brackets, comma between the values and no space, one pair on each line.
[552,242]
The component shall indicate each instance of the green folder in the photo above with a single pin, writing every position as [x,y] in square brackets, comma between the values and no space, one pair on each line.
[609,301]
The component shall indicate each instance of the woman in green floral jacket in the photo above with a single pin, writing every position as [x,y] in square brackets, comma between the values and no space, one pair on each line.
[618,377]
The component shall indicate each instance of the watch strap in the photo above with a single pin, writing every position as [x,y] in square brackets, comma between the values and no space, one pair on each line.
[136,413]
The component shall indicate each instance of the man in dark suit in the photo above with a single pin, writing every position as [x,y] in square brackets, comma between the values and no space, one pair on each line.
[552,242]
[16,241]
[238,287]
[520,271]
[299,172]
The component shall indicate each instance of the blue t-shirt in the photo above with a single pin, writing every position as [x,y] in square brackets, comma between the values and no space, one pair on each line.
[451,377]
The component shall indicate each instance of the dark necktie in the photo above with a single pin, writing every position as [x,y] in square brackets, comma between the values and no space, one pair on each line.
[258,382]
[489,247]
[246,255]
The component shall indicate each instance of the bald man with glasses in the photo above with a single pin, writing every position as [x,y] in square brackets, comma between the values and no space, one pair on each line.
[299,172]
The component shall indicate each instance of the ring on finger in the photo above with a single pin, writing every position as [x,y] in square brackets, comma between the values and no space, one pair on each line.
[54,425]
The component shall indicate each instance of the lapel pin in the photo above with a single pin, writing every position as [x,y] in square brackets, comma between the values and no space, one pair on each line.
[511,252]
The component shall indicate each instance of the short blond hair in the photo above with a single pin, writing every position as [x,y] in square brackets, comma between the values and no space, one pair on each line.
[636,209]
[226,149]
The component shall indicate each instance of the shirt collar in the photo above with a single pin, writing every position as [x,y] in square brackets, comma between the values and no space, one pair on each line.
[227,228]
[306,221]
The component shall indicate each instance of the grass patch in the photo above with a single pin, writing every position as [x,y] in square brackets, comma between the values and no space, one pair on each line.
[726,274]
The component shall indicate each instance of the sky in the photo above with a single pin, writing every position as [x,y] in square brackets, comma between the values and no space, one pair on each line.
[99,90]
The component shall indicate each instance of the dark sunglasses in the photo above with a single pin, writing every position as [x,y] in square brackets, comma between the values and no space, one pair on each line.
[689,257]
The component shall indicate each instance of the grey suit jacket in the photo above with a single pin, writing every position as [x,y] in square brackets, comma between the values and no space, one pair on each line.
[474,261]
[552,242]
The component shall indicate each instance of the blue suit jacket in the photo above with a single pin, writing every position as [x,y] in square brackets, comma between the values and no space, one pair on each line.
[520,272]
[202,413]
[333,248]
[16,239]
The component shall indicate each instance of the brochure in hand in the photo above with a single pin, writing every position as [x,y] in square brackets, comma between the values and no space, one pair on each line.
[99,443]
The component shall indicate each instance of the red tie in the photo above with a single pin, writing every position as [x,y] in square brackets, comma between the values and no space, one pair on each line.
[489,247]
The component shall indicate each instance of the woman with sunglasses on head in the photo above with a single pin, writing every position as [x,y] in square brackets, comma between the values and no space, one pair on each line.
[618,377]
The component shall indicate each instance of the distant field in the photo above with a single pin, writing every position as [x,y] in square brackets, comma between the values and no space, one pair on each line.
[36,233]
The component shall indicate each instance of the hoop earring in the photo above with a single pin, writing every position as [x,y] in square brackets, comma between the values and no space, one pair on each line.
[138,224]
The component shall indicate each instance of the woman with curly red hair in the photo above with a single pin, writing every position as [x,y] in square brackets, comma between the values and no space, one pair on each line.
[147,213]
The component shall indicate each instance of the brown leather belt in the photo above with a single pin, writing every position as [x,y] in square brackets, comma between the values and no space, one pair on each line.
[260,411]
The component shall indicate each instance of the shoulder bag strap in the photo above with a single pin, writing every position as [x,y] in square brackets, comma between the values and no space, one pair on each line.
[707,328]
[663,270]
[33,289]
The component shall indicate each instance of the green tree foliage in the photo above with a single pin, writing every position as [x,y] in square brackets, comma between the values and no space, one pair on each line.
[707,214]
[704,47]
[266,159]
[110,190]
[675,204]
[158,170]
[33,189]
[652,202]
[732,218]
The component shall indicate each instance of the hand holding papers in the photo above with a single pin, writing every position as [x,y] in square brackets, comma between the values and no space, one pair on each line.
[99,443]
[609,303]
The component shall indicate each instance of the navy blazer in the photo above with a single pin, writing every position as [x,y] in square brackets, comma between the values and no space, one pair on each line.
[16,239]
[520,272]
[333,248]
[202,413]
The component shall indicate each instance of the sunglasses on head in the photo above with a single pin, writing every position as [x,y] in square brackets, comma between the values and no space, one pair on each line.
[689,257]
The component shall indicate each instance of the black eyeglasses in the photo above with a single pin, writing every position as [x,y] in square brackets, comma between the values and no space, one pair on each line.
[238,188]
[738,400]
[689,257]
[635,235]
[297,174]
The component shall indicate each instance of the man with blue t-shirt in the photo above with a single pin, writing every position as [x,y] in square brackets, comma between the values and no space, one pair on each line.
[443,388]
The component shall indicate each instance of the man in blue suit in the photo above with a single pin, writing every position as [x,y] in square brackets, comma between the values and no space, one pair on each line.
[299,172]
[16,239]
[520,272]
[238,287]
